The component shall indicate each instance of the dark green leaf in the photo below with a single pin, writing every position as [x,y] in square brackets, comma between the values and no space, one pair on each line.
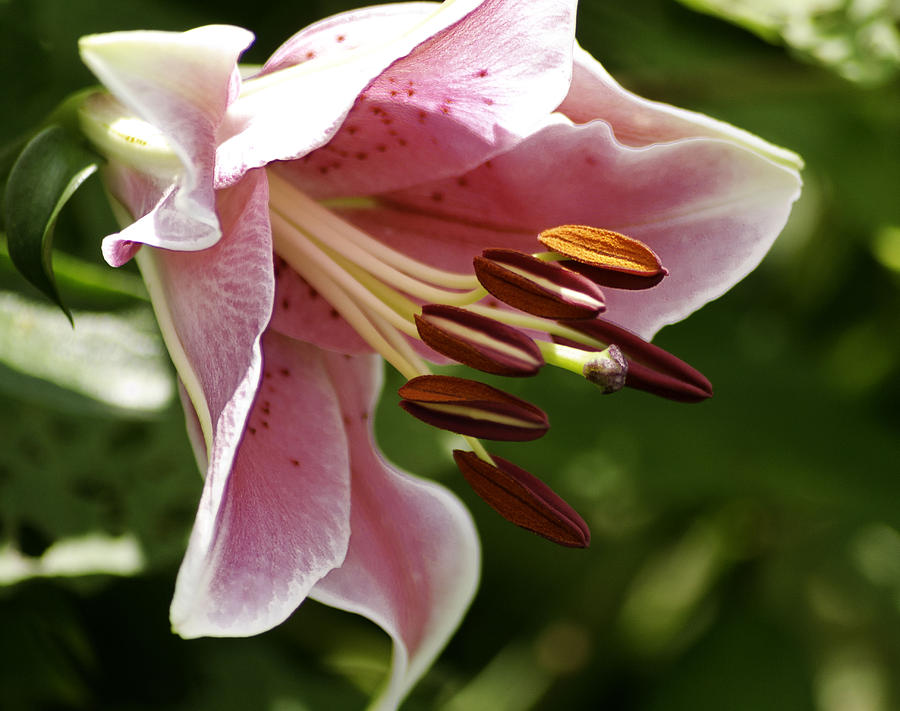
[45,175]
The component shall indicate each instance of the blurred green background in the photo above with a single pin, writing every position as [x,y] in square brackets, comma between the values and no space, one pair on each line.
[746,552]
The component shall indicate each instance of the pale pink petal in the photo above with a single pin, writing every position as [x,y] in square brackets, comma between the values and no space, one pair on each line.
[180,83]
[139,194]
[467,93]
[290,112]
[302,313]
[213,305]
[636,121]
[710,209]
[414,558]
[338,36]
[283,518]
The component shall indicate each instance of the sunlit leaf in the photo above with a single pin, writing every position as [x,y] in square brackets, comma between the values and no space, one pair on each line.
[859,39]
[111,361]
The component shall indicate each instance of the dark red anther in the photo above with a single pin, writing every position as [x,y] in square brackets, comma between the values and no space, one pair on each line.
[615,279]
[472,408]
[478,341]
[537,287]
[523,499]
[650,368]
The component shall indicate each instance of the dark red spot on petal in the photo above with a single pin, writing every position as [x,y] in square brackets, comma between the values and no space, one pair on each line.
[482,73]
[334,313]
[251,430]
[310,54]
[285,304]
[437,196]
[410,92]
[462,182]
[489,102]
[361,155]
[394,92]
[341,38]
[352,129]
[285,372]
[381,148]
[265,423]
[590,160]
[323,169]
[401,141]
[392,80]
[295,462]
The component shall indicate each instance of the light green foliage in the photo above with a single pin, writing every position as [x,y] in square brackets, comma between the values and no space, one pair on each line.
[857,38]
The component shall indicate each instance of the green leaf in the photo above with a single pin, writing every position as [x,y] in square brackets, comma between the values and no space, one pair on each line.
[45,175]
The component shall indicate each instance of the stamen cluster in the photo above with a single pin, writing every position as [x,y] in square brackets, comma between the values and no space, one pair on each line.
[548,315]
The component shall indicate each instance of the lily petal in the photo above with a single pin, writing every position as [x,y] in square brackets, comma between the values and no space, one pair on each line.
[416,577]
[468,92]
[709,208]
[181,84]
[283,518]
[302,313]
[636,121]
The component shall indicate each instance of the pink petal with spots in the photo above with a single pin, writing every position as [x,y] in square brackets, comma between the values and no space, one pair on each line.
[281,522]
[304,314]
[636,121]
[287,113]
[337,37]
[709,208]
[467,93]
[181,84]
[414,558]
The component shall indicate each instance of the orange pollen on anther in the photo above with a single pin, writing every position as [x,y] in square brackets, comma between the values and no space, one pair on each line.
[602,248]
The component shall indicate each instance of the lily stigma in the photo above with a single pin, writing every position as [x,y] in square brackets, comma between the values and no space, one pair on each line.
[411,183]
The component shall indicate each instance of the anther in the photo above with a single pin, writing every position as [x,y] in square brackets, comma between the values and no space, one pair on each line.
[478,341]
[537,287]
[472,408]
[604,249]
[523,499]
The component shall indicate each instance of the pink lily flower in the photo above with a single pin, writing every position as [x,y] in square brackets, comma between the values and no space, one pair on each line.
[375,154]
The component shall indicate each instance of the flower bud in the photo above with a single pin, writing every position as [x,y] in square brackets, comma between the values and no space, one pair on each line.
[472,408]
[523,499]
[478,341]
[537,287]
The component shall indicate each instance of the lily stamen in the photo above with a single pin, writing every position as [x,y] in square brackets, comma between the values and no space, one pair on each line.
[321,221]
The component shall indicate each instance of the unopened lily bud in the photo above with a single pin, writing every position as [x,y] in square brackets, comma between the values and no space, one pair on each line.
[607,369]
[523,499]
[537,287]
[472,408]
[478,341]
[650,368]
[608,257]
